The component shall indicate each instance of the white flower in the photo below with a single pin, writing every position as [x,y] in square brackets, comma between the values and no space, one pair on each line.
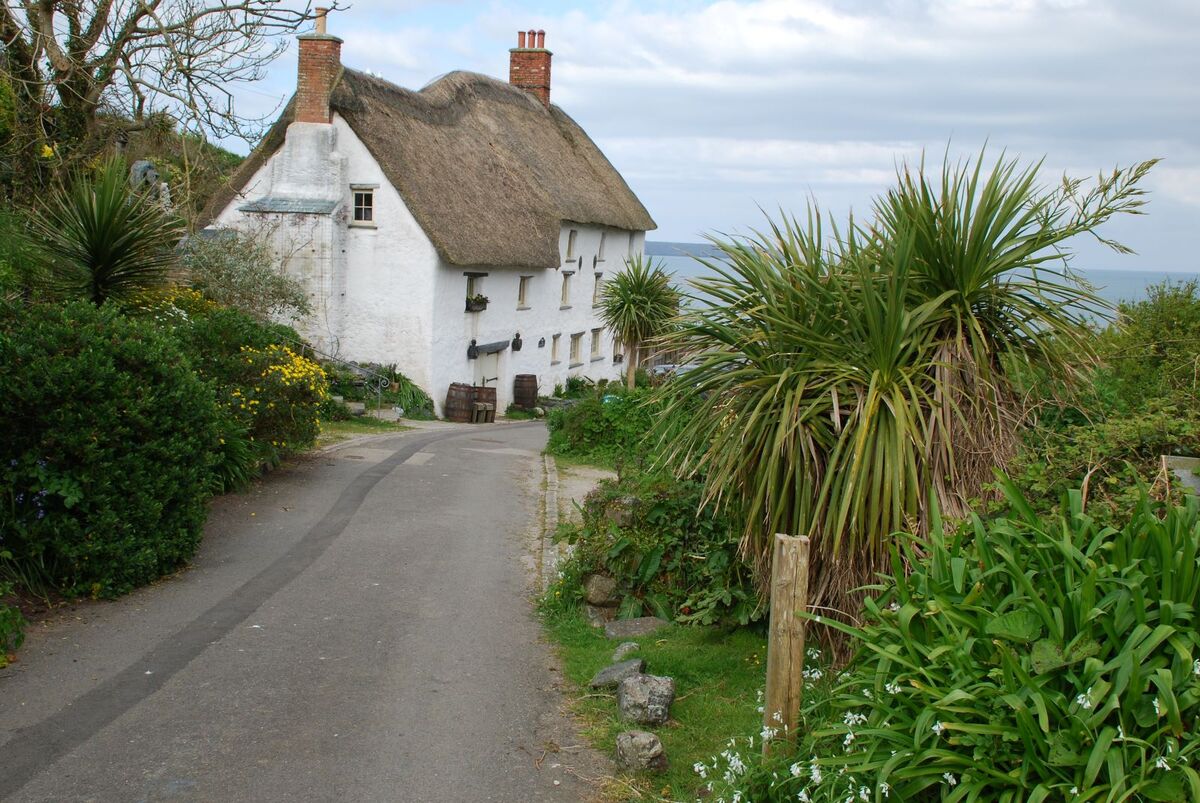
[768,734]
[1074,790]
[812,673]
[885,790]
[775,716]
[892,688]
[949,778]
[813,654]
[1120,734]
[867,694]
[803,797]
[864,793]
[1157,708]
[852,718]
[796,770]
[893,606]
[937,728]
[1084,700]
[814,771]
[1196,667]
[848,740]
[1162,763]
[700,770]
[737,798]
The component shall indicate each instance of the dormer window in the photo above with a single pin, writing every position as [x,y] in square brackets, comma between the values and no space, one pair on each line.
[364,204]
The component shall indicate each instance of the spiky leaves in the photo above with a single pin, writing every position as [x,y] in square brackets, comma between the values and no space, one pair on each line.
[636,305]
[102,240]
[843,380]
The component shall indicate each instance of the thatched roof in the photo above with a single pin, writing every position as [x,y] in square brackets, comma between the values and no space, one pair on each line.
[487,170]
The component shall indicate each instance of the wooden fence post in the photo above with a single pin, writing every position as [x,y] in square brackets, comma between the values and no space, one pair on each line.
[785,644]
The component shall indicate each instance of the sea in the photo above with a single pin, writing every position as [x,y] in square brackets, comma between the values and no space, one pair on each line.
[1114,286]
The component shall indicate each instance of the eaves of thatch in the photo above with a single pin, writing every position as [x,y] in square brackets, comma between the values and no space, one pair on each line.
[488,172]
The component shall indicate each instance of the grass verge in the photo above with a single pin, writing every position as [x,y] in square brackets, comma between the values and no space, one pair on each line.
[718,674]
[337,431]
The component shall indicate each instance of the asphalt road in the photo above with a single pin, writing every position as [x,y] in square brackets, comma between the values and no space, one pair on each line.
[357,627]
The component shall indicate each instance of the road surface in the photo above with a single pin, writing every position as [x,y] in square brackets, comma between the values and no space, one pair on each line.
[357,627]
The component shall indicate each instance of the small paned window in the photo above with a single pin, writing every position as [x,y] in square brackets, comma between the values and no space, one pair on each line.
[571,244]
[603,242]
[597,336]
[596,289]
[523,292]
[566,290]
[576,340]
[364,206]
[554,356]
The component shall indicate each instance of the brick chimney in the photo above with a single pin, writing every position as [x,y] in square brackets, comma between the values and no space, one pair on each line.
[529,65]
[320,65]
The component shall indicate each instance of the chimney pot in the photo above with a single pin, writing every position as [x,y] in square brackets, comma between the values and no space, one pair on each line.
[529,65]
[321,12]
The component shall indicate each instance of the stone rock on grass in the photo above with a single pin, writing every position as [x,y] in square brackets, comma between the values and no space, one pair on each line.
[601,590]
[630,628]
[598,617]
[624,650]
[639,750]
[620,511]
[610,676]
[646,699]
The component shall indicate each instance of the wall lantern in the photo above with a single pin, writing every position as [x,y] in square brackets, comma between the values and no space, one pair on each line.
[472,351]
[517,342]
[542,343]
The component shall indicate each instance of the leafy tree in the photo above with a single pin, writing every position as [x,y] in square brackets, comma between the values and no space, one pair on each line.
[102,240]
[636,305]
[241,271]
[845,382]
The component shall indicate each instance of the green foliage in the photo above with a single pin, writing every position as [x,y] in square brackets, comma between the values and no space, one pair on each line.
[241,271]
[842,378]
[102,240]
[106,464]
[1020,659]
[1153,349]
[1110,459]
[602,428]
[637,304]
[670,555]
[360,382]
[12,623]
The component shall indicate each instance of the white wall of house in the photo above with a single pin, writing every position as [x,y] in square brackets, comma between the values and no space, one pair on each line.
[381,293]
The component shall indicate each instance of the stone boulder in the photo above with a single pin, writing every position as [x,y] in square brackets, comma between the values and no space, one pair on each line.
[621,511]
[599,617]
[646,699]
[632,628]
[640,751]
[601,590]
[610,676]
[624,650]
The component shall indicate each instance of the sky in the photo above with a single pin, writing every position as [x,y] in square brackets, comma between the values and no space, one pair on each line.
[716,111]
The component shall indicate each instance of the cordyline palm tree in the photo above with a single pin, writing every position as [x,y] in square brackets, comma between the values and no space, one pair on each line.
[637,305]
[102,239]
[848,384]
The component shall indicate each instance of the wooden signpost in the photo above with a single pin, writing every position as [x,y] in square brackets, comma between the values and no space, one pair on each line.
[785,644]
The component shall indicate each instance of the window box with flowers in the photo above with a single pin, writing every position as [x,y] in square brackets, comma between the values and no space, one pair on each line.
[477,303]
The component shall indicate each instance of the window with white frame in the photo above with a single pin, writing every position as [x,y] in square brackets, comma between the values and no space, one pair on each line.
[596,289]
[523,292]
[576,343]
[566,289]
[554,352]
[597,338]
[364,205]
[603,242]
[571,236]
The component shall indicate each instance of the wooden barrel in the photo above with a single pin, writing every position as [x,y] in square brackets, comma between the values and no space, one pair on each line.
[525,389]
[485,395]
[460,402]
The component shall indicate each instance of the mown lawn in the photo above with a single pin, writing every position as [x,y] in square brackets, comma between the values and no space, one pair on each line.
[718,674]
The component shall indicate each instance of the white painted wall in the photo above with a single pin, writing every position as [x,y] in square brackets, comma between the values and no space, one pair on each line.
[381,294]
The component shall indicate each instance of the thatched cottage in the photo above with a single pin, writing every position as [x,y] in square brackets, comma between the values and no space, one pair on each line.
[401,211]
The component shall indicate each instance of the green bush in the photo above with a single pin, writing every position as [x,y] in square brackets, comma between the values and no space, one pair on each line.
[670,554]
[12,625]
[107,456]
[602,427]
[362,386]
[1023,659]
[270,396]
[1153,348]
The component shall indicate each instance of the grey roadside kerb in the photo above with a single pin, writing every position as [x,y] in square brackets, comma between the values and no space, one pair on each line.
[550,523]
